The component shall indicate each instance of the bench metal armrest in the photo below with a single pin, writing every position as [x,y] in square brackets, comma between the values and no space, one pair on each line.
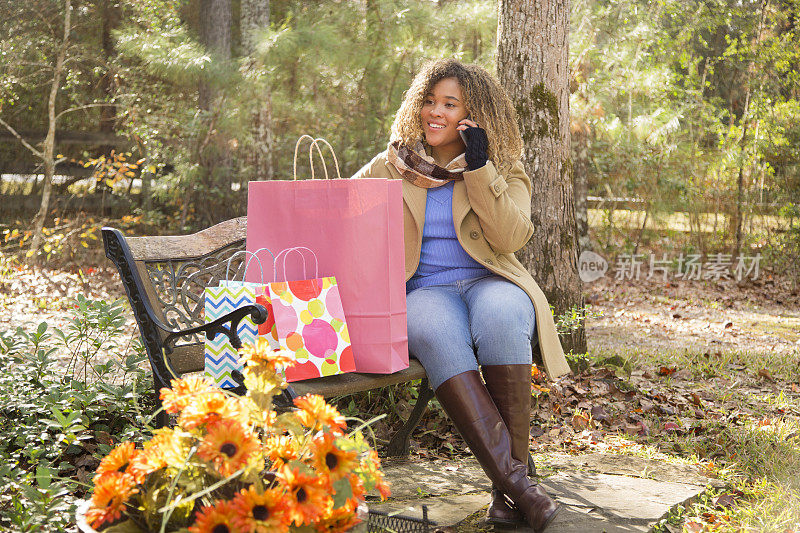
[256,311]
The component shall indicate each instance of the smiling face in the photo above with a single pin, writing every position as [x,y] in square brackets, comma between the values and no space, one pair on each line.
[442,108]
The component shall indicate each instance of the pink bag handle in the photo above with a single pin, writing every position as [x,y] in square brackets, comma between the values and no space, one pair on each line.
[285,254]
[250,256]
[314,144]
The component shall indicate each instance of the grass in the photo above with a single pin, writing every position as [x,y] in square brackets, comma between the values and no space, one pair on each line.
[787,328]
[756,454]
[779,365]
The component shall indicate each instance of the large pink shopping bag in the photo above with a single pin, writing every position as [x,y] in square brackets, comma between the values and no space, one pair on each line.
[356,229]
[311,323]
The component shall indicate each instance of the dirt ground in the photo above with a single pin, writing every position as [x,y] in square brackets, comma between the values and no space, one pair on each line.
[759,317]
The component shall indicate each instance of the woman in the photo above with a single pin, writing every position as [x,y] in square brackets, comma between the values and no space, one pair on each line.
[456,145]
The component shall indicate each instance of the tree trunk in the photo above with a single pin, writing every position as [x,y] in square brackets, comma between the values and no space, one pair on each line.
[372,85]
[212,201]
[254,18]
[580,183]
[48,146]
[740,199]
[532,64]
[108,114]
[215,35]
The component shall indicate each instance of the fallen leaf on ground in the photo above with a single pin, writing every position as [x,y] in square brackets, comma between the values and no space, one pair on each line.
[727,499]
[764,373]
[580,421]
[693,527]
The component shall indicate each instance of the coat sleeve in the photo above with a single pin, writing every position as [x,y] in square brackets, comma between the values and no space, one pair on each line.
[374,169]
[503,205]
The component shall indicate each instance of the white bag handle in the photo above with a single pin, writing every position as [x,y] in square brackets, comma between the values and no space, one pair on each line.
[314,144]
[251,256]
[285,254]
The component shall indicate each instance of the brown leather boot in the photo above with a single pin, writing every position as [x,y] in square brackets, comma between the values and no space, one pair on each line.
[510,389]
[465,399]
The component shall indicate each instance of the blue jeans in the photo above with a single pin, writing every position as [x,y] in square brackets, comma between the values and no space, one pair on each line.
[455,327]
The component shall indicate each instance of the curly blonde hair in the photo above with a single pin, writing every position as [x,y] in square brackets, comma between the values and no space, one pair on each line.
[484,99]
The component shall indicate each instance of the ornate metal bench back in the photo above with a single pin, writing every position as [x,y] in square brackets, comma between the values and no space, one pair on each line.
[178,284]
[168,276]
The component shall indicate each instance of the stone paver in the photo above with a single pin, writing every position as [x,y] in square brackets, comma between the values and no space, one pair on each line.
[611,493]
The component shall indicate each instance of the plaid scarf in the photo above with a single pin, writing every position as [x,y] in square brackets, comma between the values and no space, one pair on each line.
[418,167]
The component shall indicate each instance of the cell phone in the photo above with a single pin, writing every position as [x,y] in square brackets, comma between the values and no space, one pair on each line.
[461,132]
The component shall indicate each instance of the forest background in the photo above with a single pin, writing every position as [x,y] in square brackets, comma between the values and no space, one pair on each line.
[684,116]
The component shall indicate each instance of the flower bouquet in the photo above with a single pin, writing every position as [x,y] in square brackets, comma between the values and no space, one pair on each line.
[232,464]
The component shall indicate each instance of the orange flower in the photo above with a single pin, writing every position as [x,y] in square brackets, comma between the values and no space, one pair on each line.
[111,491]
[281,449]
[146,462]
[182,392]
[228,445]
[338,521]
[154,456]
[357,487]
[329,459]
[314,413]
[308,499]
[261,513]
[373,466]
[261,353]
[217,518]
[383,487]
[207,408]
[118,459]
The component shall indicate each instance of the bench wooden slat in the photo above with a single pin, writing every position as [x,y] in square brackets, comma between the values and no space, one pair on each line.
[344,384]
[189,358]
[184,247]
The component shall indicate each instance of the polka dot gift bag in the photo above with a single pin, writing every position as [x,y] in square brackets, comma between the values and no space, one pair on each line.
[310,322]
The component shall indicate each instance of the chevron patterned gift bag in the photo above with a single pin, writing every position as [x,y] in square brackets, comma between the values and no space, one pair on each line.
[267,328]
[221,358]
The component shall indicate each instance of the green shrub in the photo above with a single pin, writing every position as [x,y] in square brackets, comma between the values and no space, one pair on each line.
[65,397]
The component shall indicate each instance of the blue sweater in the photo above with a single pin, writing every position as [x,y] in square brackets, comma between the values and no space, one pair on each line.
[442,258]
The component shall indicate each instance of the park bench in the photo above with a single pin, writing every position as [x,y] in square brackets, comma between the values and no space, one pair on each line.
[164,277]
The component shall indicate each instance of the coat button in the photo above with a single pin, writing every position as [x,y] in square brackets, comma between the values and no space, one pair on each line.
[497,188]
[489,262]
[474,234]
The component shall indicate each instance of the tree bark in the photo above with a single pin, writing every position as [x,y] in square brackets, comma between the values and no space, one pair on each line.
[48,146]
[532,64]
[108,114]
[215,35]
[740,199]
[212,201]
[580,183]
[255,17]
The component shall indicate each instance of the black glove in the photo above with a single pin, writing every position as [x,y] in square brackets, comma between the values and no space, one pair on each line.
[477,147]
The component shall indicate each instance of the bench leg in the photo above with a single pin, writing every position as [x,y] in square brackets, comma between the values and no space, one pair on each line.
[162,417]
[400,442]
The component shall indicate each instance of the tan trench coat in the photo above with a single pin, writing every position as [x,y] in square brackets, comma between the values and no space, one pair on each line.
[492,217]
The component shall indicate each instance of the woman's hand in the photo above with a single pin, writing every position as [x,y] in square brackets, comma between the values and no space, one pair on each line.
[476,141]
